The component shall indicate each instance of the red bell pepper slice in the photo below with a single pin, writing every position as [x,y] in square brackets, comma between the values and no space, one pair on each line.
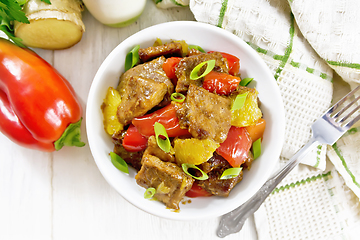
[197,191]
[233,62]
[169,67]
[166,116]
[43,101]
[220,83]
[133,141]
[236,147]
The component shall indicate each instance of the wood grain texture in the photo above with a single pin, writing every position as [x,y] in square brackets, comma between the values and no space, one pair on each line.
[62,195]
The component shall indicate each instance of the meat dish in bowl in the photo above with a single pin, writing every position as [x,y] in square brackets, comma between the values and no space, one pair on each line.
[193,153]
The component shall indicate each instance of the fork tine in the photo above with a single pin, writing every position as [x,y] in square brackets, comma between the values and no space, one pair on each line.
[347,106]
[353,121]
[352,112]
[341,101]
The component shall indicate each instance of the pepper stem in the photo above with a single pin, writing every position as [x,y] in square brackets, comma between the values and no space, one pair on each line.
[70,137]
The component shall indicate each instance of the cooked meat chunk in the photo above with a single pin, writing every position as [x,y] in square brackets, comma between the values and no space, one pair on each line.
[215,167]
[150,70]
[167,50]
[118,137]
[139,96]
[215,162]
[187,64]
[170,182]
[131,158]
[153,149]
[248,162]
[193,52]
[205,114]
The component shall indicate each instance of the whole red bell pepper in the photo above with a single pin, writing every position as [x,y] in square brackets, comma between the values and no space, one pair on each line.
[38,107]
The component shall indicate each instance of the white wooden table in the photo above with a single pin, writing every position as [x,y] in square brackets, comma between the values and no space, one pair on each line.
[62,195]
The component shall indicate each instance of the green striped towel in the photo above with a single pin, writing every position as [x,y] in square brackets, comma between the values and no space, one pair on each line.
[304,43]
[335,35]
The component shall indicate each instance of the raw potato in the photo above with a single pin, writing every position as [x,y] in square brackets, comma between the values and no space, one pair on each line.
[52,26]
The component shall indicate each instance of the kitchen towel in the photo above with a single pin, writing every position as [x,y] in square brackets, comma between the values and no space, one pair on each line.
[331,28]
[304,43]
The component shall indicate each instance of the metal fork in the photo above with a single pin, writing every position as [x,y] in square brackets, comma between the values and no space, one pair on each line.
[326,130]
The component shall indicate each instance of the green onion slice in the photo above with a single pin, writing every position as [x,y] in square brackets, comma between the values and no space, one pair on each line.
[177,97]
[231,173]
[197,48]
[194,75]
[149,193]
[256,147]
[132,58]
[244,82]
[162,138]
[239,101]
[119,163]
[186,166]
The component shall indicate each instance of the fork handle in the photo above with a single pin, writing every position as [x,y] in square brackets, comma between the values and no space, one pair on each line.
[233,221]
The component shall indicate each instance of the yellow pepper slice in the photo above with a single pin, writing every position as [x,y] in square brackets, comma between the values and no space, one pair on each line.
[194,151]
[109,108]
[250,113]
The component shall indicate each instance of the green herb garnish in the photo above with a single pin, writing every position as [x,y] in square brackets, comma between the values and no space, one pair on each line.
[132,58]
[177,97]
[244,82]
[239,101]
[149,193]
[161,137]
[231,173]
[186,166]
[194,75]
[119,163]
[256,147]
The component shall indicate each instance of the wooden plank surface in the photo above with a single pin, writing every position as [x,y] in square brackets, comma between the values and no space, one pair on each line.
[62,195]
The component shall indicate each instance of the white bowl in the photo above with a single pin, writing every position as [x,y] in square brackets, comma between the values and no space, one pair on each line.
[251,65]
